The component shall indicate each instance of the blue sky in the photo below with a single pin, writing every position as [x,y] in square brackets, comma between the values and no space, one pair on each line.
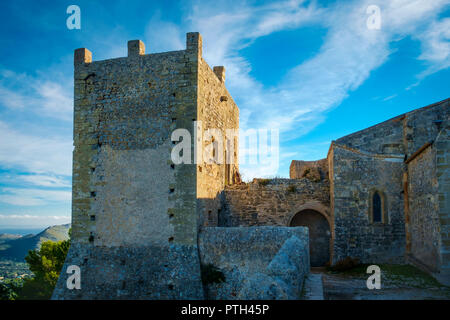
[311,69]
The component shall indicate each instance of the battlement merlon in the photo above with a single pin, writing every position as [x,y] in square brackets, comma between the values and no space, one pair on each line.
[81,56]
[194,42]
[220,72]
[137,48]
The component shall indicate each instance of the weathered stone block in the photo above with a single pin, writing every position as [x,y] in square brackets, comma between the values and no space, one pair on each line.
[254,261]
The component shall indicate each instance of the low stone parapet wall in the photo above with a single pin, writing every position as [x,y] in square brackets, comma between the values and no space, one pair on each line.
[256,262]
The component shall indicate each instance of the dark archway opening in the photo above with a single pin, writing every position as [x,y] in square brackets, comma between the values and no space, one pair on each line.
[319,235]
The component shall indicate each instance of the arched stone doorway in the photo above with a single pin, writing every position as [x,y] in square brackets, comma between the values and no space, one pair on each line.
[319,235]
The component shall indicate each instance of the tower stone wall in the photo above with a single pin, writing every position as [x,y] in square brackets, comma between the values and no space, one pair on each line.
[136,213]
[218,117]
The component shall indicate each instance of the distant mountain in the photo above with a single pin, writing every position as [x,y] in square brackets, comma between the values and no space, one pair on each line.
[7,237]
[15,247]
[4,238]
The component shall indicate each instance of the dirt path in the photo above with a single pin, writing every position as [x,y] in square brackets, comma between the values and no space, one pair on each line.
[394,286]
[313,287]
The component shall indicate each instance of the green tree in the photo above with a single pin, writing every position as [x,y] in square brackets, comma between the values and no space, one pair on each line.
[46,264]
[8,289]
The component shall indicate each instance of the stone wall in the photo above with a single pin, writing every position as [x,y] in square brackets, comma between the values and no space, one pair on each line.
[442,146]
[383,138]
[355,177]
[129,201]
[371,160]
[401,135]
[132,273]
[257,262]
[219,114]
[428,182]
[423,225]
[423,125]
[265,202]
[311,169]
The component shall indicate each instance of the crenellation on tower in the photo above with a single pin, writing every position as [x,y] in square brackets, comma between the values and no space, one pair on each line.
[136,48]
[220,72]
[82,55]
[194,42]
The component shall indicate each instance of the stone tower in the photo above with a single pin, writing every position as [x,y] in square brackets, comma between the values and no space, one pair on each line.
[136,214]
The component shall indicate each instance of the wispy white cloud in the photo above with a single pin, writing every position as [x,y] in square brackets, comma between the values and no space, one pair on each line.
[32,220]
[34,154]
[390,97]
[173,38]
[30,180]
[48,98]
[27,216]
[32,142]
[36,147]
[46,181]
[33,197]
[436,47]
[349,54]
[308,151]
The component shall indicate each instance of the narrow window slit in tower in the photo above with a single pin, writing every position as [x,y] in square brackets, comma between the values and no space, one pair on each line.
[376,207]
